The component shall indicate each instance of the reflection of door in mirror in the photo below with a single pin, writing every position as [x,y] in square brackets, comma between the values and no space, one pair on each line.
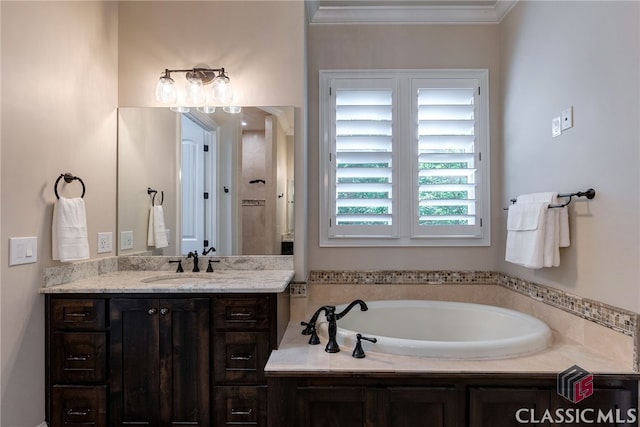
[198,150]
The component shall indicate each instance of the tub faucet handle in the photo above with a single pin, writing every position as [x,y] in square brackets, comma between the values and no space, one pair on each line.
[310,329]
[358,352]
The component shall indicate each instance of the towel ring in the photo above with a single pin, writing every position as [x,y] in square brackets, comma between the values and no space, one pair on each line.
[151,192]
[68,178]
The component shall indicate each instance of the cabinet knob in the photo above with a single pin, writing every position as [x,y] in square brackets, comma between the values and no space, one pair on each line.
[164,310]
[152,311]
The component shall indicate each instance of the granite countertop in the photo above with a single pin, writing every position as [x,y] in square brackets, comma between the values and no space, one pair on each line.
[220,281]
[296,357]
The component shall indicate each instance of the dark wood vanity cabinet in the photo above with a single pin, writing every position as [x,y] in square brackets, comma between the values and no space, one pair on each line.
[178,359]
[442,400]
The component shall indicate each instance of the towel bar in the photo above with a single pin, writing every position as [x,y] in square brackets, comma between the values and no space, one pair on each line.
[589,194]
[68,178]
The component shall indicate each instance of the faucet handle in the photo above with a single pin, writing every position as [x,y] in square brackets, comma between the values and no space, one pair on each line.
[358,352]
[310,329]
[210,267]
[179,269]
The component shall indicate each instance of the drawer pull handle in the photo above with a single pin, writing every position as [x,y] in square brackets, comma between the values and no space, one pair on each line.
[79,358]
[241,357]
[152,311]
[241,411]
[164,311]
[79,412]
[241,314]
[81,314]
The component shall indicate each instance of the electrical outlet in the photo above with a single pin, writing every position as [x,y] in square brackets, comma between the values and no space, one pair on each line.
[126,240]
[298,290]
[105,242]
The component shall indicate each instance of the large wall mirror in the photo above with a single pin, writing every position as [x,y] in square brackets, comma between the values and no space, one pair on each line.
[224,180]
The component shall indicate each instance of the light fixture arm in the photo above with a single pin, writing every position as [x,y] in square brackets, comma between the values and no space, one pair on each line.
[205,74]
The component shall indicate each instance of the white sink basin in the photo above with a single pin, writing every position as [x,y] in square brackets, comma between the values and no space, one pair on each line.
[180,279]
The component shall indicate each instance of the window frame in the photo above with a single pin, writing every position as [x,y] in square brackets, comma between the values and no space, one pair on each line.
[404,232]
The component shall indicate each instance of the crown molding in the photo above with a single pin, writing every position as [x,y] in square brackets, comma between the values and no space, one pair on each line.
[424,13]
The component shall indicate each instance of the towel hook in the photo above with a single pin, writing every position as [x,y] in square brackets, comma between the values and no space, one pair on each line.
[68,178]
[151,192]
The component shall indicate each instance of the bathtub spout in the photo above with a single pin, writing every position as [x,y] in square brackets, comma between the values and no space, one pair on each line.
[363,307]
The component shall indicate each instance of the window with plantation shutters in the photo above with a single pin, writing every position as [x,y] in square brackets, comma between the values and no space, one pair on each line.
[404,158]
[447,156]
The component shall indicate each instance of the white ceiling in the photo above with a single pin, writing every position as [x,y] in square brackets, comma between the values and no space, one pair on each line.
[407,11]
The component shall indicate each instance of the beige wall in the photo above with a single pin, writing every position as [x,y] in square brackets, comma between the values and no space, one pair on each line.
[389,47]
[585,55]
[59,100]
[147,153]
[259,43]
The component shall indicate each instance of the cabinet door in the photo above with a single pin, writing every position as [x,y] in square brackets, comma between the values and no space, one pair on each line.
[421,406]
[159,361]
[336,407]
[135,362]
[184,361]
[501,407]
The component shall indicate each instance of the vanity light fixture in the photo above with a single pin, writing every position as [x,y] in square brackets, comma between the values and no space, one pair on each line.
[194,93]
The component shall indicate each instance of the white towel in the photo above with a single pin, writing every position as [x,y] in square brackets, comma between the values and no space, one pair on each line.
[554,231]
[157,232]
[69,230]
[525,234]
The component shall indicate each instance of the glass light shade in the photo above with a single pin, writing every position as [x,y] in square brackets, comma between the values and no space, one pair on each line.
[179,109]
[207,109]
[195,91]
[232,109]
[166,90]
[221,89]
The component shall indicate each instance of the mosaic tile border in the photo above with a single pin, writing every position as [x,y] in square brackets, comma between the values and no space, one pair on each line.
[615,318]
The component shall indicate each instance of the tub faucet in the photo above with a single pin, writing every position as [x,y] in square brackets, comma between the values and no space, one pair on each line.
[332,318]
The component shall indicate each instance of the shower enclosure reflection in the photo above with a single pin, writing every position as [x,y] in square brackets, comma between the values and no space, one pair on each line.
[227,180]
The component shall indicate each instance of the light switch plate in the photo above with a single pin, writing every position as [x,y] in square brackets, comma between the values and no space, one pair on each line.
[23,250]
[556,126]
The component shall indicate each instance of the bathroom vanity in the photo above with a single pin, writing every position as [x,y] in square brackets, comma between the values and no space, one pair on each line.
[127,348]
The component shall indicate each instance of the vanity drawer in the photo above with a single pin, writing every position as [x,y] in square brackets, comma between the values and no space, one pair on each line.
[240,406]
[241,313]
[78,314]
[79,406]
[78,357]
[239,357]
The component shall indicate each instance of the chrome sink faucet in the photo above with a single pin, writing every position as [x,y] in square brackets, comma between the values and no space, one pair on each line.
[332,318]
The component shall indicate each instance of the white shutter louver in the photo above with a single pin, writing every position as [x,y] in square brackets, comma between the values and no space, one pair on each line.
[363,157]
[447,156]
